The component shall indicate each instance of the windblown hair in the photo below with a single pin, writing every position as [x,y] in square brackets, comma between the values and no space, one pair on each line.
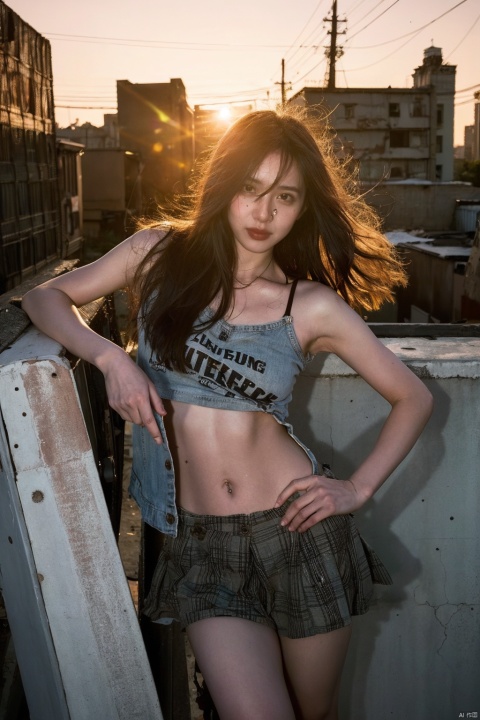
[336,240]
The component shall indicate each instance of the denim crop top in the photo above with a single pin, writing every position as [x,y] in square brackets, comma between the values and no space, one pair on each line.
[230,367]
[235,367]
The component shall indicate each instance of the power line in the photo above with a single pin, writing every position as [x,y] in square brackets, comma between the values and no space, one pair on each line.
[372,21]
[311,70]
[301,31]
[472,87]
[301,61]
[171,44]
[410,36]
[412,32]
[355,7]
[464,102]
[464,38]
[306,56]
[303,45]
[367,14]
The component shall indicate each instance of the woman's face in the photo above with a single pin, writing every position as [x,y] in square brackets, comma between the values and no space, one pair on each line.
[260,222]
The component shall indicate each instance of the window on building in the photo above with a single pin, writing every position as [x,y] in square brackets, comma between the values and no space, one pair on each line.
[439,143]
[31,96]
[417,108]
[399,138]
[35,197]
[439,115]
[5,151]
[349,111]
[394,109]
[418,139]
[396,172]
[22,198]
[438,172]
[7,201]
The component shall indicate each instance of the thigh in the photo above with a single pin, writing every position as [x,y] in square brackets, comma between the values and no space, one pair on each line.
[313,667]
[241,662]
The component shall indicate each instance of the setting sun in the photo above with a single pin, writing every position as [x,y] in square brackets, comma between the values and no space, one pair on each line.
[225,114]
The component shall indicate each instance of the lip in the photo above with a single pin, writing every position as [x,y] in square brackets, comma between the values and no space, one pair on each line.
[257,234]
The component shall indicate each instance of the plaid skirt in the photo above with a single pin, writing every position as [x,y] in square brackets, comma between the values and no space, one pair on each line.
[249,566]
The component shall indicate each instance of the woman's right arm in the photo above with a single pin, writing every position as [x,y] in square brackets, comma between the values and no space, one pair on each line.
[52,307]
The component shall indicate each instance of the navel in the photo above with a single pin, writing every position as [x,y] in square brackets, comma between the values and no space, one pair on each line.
[228,486]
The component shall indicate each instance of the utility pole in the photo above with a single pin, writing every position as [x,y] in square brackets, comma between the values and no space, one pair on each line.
[333,52]
[283,84]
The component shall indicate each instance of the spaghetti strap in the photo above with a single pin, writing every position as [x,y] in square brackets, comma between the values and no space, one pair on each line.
[290,297]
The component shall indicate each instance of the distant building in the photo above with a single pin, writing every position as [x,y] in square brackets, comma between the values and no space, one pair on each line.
[112,192]
[30,226]
[436,280]
[69,156]
[469,142]
[439,78]
[156,122]
[394,133]
[93,137]
[476,127]
[211,123]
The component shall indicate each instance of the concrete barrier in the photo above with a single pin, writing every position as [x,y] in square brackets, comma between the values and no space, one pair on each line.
[416,655]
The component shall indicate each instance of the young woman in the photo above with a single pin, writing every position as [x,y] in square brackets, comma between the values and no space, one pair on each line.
[262,562]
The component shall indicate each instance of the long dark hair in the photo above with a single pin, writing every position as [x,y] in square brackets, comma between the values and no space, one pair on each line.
[335,241]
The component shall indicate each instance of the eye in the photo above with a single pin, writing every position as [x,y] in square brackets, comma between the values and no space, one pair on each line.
[286,197]
[249,188]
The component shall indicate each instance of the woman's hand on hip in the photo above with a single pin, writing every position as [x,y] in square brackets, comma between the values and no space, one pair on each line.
[132,394]
[320,497]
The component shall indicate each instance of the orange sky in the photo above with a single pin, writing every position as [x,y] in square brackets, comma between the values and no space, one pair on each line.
[227,51]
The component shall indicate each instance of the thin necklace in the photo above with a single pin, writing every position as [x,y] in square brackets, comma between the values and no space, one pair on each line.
[245,285]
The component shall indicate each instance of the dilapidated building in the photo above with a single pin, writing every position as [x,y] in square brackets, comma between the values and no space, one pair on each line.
[394,133]
[40,183]
[472,132]
[155,121]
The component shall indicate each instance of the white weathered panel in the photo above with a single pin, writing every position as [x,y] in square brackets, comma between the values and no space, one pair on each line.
[32,345]
[28,622]
[101,656]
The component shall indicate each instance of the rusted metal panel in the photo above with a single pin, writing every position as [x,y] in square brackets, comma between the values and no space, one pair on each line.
[81,587]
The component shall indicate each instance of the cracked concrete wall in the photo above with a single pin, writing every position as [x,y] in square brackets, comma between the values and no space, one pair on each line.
[416,654]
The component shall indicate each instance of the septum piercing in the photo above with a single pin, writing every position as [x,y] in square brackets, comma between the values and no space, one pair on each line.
[274,212]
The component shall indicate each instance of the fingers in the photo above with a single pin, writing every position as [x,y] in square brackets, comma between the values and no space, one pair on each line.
[155,400]
[294,486]
[143,413]
[135,398]
[146,417]
[320,498]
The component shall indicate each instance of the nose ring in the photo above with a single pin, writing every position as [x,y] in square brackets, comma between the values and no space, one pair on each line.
[274,212]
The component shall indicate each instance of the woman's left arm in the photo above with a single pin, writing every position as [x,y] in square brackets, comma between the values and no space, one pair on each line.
[346,335]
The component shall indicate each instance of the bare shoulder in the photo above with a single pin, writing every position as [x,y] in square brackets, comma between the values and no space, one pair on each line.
[146,239]
[319,311]
[328,324]
[315,296]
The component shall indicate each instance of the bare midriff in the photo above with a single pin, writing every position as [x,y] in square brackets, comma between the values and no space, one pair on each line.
[229,462]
